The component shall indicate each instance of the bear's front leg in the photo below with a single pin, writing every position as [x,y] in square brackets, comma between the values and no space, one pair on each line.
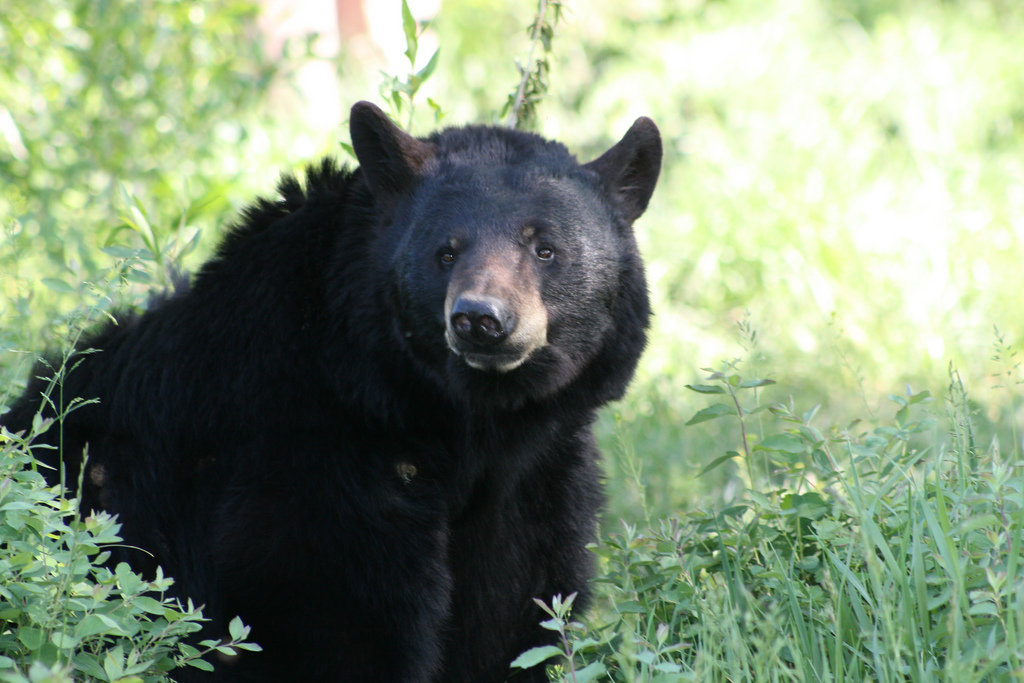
[343,577]
[518,541]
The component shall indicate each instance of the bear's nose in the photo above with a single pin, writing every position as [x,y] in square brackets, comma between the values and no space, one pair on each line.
[482,321]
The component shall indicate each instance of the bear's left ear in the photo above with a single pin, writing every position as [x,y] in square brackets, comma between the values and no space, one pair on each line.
[389,157]
[629,170]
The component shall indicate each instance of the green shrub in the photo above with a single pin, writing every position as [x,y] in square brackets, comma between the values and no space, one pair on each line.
[64,614]
[157,95]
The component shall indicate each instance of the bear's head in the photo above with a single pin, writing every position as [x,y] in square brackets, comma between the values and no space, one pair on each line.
[512,268]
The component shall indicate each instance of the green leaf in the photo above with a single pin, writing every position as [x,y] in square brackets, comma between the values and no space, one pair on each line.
[861,451]
[113,663]
[535,656]
[189,650]
[149,605]
[120,252]
[236,629]
[717,461]
[733,510]
[95,624]
[349,150]
[750,383]
[57,285]
[760,499]
[974,523]
[31,637]
[705,389]
[90,664]
[423,74]
[64,641]
[438,113]
[128,580]
[809,415]
[139,276]
[629,607]
[808,564]
[985,607]
[409,26]
[552,624]
[138,220]
[785,443]
[201,664]
[590,672]
[17,505]
[711,413]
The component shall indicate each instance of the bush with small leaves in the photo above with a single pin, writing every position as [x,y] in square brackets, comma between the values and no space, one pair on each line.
[67,616]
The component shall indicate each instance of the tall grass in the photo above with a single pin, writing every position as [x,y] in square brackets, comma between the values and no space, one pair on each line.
[882,552]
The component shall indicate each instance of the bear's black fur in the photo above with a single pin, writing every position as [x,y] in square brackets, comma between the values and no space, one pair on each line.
[365,427]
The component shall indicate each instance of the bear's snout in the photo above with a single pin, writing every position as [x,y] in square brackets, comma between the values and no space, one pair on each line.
[494,314]
[481,321]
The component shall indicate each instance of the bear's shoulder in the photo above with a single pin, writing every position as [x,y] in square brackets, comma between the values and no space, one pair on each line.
[328,184]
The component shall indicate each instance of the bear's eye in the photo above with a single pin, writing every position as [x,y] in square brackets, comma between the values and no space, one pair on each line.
[448,257]
[545,254]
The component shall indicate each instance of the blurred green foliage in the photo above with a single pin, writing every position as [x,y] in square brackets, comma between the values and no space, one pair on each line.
[851,172]
[156,93]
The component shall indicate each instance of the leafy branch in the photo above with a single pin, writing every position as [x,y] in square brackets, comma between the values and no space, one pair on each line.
[399,93]
[729,382]
[521,107]
[572,637]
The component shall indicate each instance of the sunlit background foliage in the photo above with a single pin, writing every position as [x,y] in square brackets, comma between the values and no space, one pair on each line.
[841,211]
[841,206]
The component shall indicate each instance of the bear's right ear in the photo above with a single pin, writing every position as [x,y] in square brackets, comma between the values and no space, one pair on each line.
[629,170]
[389,157]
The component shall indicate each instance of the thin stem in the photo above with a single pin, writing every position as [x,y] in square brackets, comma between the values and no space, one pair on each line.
[513,115]
[743,424]
[568,652]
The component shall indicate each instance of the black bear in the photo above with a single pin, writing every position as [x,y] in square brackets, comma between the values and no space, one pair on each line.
[365,426]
